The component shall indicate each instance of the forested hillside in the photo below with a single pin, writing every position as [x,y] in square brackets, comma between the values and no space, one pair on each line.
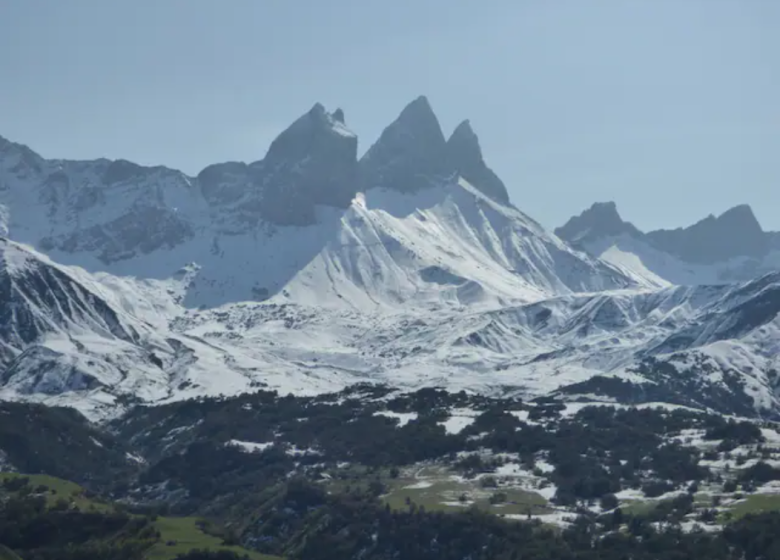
[374,473]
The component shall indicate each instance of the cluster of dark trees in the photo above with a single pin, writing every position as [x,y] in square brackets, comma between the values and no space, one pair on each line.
[38,439]
[759,474]
[308,523]
[207,470]
[596,453]
[37,532]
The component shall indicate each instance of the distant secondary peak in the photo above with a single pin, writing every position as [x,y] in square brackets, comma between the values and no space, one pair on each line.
[465,141]
[464,155]
[604,210]
[735,233]
[338,116]
[601,220]
[464,128]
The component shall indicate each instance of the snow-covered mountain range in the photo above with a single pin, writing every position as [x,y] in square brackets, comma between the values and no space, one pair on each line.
[731,247]
[312,269]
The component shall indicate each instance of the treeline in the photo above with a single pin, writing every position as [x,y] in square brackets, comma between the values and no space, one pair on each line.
[595,453]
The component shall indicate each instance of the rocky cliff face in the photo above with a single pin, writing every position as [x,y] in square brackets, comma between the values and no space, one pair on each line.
[464,156]
[411,153]
[311,163]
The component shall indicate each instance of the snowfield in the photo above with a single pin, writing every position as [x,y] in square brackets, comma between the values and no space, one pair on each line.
[136,337]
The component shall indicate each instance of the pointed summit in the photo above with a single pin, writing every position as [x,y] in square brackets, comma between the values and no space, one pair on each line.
[317,109]
[465,135]
[419,112]
[317,130]
[410,152]
[464,155]
[741,217]
[605,212]
[600,221]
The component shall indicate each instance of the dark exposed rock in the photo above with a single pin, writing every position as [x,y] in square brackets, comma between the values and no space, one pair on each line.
[465,157]
[598,221]
[735,233]
[122,170]
[410,153]
[38,298]
[313,162]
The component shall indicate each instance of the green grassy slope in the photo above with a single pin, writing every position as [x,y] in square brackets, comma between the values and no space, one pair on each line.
[7,554]
[177,534]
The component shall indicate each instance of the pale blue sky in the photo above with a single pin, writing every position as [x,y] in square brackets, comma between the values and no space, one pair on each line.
[669,107]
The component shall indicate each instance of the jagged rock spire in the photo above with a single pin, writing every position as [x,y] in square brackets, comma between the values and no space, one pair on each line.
[313,162]
[464,155]
[410,152]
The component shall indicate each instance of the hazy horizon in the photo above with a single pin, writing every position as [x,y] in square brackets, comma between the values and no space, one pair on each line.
[667,108]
